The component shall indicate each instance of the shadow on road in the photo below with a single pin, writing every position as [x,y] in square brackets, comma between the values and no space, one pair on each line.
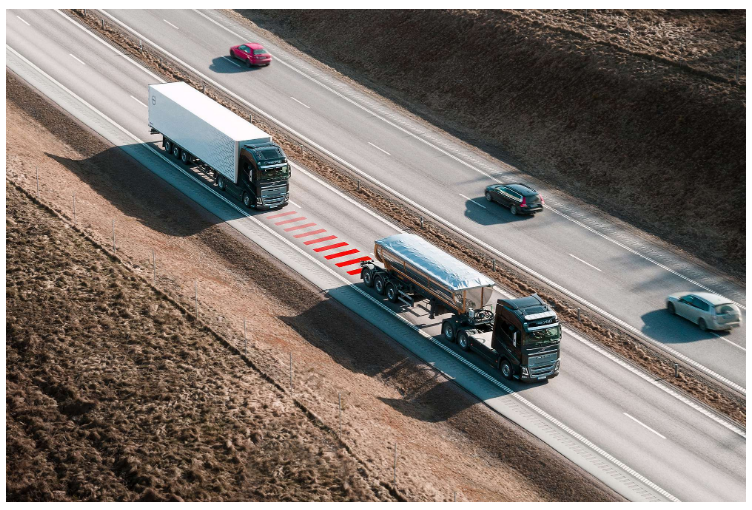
[493,214]
[227,65]
[660,325]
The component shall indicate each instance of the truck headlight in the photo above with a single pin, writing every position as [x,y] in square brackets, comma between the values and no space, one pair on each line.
[556,367]
[524,371]
[259,201]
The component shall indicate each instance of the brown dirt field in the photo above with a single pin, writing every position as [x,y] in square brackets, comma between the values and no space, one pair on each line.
[632,111]
[447,440]
[618,341]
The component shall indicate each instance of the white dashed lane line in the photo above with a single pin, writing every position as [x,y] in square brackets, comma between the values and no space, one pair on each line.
[139,102]
[728,341]
[638,421]
[79,60]
[382,150]
[19,17]
[173,26]
[231,61]
[473,201]
[300,102]
[586,263]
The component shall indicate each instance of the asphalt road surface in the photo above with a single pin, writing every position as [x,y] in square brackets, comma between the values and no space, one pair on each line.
[632,432]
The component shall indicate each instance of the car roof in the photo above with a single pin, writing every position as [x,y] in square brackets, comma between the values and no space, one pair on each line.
[254,46]
[522,188]
[713,299]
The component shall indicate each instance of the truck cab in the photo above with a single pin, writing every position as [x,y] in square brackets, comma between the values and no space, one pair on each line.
[265,173]
[525,342]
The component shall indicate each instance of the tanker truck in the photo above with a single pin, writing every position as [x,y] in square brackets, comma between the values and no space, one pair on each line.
[521,338]
[242,159]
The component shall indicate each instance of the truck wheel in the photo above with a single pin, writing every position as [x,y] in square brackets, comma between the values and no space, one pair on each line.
[448,330]
[246,200]
[185,158]
[221,182]
[391,292]
[176,151]
[463,340]
[167,146]
[379,283]
[367,277]
[506,369]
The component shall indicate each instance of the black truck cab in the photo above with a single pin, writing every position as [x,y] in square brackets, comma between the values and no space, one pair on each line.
[265,174]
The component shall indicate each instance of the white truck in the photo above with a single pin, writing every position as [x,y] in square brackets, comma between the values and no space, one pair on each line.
[242,159]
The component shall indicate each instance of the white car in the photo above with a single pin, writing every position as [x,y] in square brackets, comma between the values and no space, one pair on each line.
[709,311]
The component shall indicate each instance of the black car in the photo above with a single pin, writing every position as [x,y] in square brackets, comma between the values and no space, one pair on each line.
[520,198]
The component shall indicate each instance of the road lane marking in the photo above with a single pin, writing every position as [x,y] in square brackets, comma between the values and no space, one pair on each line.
[430,213]
[382,150]
[728,341]
[316,241]
[299,227]
[300,102]
[19,17]
[231,61]
[293,203]
[81,61]
[586,263]
[446,153]
[173,26]
[291,220]
[341,254]
[638,421]
[139,102]
[352,261]
[473,201]
[365,295]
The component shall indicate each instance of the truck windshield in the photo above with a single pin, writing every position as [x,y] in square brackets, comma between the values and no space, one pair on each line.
[543,336]
[275,174]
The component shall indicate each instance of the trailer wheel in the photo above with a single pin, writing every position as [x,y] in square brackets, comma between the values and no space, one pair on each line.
[506,369]
[221,183]
[391,292]
[167,146]
[447,330]
[367,277]
[463,340]
[185,158]
[379,283]
[246,200]
[176,151]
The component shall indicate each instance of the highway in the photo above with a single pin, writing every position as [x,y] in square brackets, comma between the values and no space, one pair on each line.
[633,433]
[601,263]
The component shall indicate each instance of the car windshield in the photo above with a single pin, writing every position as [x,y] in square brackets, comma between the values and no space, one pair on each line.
[543,336]
[262,51]
[275,174]
[725,308]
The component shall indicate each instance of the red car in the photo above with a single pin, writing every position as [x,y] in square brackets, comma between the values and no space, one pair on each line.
[252,53]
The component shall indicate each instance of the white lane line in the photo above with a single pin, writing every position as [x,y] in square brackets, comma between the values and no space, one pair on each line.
[231,61]
[19,17]
[173,26]
[139,102]
[293,203]
[586,263]
[638,421]
[382,150]
[473,201]
[360,291]
[728,341]
[450,155]
[300,102]
[81,61]
[419,207]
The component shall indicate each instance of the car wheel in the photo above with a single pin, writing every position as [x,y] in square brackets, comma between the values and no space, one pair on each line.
[246,199]
[232,54]
[702,324]
[379,284]
[488,196]
[221,182]
[391,292]
[167,146]
[448,331]
[513,210]
[671,308]
[367,277]
[248,63]
[463,340]
[176,152]
[506,369]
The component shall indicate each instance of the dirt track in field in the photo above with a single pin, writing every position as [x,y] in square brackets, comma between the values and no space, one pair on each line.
[113,393]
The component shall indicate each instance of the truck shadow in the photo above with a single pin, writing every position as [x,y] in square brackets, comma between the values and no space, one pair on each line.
[227,65]
[493,214]
[139,193]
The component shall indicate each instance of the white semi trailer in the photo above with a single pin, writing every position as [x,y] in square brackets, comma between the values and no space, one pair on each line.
[242,159]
